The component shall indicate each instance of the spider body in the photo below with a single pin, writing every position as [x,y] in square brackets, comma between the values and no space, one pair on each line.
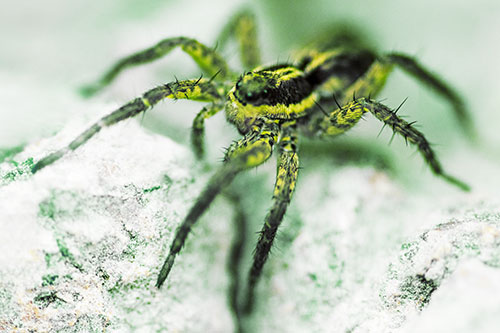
[322,94]
[287,92]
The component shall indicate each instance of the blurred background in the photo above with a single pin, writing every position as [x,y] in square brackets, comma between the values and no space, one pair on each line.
[49,49]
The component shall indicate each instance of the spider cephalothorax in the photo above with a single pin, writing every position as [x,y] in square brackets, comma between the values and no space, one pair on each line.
[278,92]
[323,93]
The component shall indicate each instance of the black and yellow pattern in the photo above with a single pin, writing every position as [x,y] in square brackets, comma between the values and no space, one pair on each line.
[286,179]
[323,93]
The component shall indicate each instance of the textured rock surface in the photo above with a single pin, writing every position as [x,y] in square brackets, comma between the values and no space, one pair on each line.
[361,263]
[83,241]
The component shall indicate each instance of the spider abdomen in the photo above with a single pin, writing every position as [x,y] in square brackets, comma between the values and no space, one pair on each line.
[334,71]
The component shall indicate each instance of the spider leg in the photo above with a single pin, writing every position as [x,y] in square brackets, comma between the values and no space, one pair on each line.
[411,135]
[250,151]
[417,70]
[339,120]
[198,90]
[198,128]
[287,171]
[243,28]
[206,58]
[342,119]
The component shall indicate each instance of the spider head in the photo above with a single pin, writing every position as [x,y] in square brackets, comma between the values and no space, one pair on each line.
[255,88]
[273,92]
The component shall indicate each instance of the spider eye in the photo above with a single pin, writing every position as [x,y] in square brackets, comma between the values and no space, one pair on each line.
[250,96]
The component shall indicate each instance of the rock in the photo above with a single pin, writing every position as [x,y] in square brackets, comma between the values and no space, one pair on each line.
[83,240]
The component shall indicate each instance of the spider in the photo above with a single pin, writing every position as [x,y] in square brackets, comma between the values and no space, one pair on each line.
[323,93]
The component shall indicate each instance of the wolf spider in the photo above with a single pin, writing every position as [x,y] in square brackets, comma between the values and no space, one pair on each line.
[270,106]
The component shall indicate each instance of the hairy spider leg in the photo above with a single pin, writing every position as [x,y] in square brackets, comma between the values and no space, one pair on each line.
[198,128]
[339,120]
[411,135]
[344,118]
[243,28]
[198,90]
[286,178]
[207,59]
[250,151]
[415,69]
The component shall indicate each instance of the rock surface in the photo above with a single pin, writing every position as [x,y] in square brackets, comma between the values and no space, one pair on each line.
[83,240]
